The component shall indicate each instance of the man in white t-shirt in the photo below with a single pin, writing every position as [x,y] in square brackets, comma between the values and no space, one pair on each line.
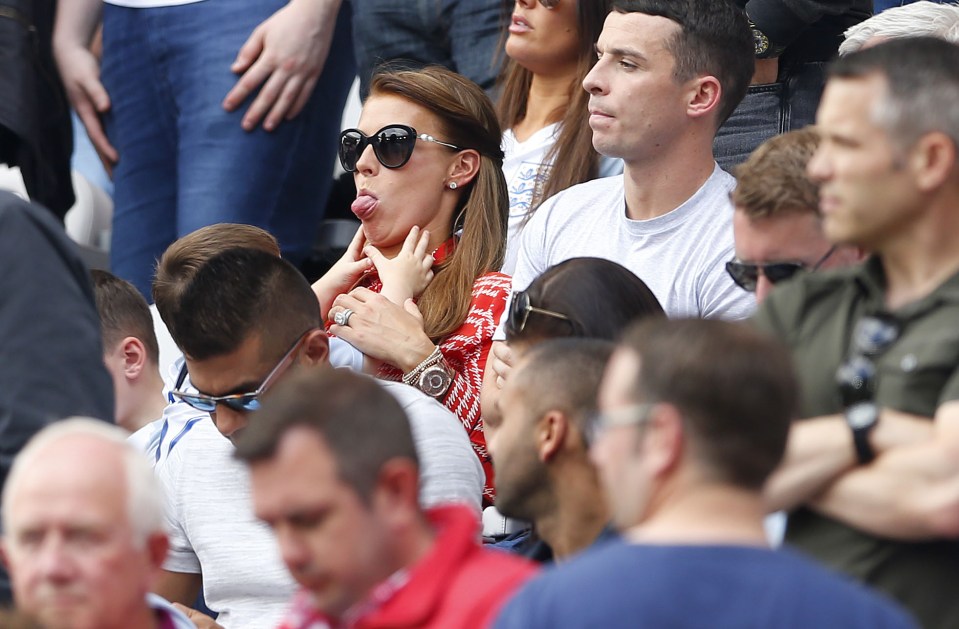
[245,320]
[663,84]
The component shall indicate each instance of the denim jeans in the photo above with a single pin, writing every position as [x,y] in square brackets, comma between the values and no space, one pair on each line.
[185,162]
[463,35]
[769,110]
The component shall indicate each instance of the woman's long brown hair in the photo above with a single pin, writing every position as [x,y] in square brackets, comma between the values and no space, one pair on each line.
[572,156]
[467,119]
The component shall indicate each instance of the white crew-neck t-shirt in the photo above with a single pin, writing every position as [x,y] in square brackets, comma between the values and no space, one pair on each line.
[680,255]
[526,171]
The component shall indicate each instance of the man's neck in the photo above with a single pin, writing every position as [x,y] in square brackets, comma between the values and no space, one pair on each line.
[707,515]
[923,257]
[152,404]
[579,516]
[659,186]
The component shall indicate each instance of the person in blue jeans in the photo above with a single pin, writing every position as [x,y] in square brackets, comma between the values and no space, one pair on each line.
[209,111]
[462,35]
[793,41]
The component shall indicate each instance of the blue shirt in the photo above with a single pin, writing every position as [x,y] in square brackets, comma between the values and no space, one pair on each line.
[737,587]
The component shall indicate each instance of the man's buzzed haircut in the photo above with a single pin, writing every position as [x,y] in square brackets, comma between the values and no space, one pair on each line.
[123,312]
[564,375]
[361,423]
[734,387]
[922,82]
[715,39]
[242,292]
[773,181]
[183,258]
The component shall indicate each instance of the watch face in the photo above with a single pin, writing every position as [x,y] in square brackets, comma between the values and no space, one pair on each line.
[861,416]
[760,41]
[435,381]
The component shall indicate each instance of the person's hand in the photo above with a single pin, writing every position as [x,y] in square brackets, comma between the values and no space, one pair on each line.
[80,72]
[343,275]
[383,330]
[501,360]
[201,620]
[409,273]
[285,55]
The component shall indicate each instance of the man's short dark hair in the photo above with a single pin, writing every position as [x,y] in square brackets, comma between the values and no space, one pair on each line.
[358,419]
[564,375]
[123,312]
[922,82]
[238,293]
[183,258]
[734,387]
[715,39]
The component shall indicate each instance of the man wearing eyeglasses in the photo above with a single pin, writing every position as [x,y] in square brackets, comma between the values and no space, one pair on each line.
[871,475]
[683,446]
[245,321]
[777,228]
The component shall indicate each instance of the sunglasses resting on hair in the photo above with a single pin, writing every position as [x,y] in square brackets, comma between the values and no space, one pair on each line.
[519,310]
[393,145]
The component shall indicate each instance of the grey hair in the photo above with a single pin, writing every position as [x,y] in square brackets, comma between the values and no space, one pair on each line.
[918,19]
[922,81]
[144,499]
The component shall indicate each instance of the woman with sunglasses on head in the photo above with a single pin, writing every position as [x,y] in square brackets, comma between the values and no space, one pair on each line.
[427,165]
[579,297]
[543,107]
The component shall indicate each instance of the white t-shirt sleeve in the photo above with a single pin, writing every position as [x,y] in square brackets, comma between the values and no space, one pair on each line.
[450,472]
[719,296]
[180,557]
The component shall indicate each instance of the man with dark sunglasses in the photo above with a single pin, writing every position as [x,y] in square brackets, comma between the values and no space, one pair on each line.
[870,475]
[777,227]
[245,321]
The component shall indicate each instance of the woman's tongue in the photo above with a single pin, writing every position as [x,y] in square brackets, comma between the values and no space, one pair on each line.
[363,206]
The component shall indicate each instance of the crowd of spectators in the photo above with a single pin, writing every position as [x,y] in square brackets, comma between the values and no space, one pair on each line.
[622,338]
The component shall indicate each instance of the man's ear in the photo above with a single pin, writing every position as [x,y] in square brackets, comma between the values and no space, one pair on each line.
[157,546]
[933,160]
[316,348]
[550,434]
[663,440]
[134,357]
[465,167]
[4,553]
[704,96]
[396,495]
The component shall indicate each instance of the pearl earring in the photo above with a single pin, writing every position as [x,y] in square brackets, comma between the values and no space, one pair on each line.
[453,185]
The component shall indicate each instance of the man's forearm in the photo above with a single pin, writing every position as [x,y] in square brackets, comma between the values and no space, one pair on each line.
[76,22]
[911,493]
[819,451]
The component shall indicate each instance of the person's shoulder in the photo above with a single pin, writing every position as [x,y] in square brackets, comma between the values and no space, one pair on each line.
[805,294]
[493,281]
[837,598]
[602,192]
[592,191]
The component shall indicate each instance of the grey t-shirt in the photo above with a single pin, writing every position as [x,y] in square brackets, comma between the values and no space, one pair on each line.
[681,255]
